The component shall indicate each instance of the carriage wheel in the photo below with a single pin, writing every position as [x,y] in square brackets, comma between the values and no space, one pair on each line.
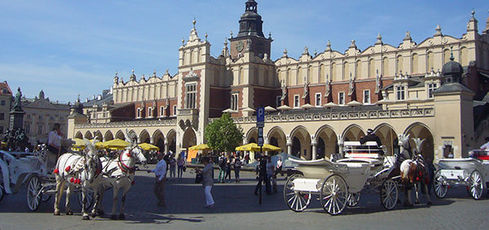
[89,195]
[440,185]
[353,199]
[2,193]
[34,193]
[297,201]
[389,194]
[476,185]
[334,194]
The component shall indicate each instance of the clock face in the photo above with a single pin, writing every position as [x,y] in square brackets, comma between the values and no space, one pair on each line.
[239,46]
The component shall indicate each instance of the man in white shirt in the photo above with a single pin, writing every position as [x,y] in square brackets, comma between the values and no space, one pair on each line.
[160,174]
[54,145]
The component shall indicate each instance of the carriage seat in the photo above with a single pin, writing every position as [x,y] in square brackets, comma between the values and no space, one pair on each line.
[369,151]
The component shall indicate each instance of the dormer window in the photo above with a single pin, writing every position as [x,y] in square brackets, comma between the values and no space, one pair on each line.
[400,92]
[431,88]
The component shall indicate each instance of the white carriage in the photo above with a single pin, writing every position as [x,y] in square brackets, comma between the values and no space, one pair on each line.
[29,168]
[470,172]
[339,183]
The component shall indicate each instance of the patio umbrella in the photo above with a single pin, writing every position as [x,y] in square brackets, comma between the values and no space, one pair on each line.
[270,109]
[248,109]
[228,111]
[307,106]
[354,103]
[148,147]
[284,107]
[114,144]
[200,147]
[255,147]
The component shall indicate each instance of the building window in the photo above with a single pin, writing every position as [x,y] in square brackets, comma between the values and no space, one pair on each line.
[366,96]
[431,88]
[174,110]
[318,99]
[297,102]
[191,95]
[278,102]
[400,93]
[150,112]
[3,102]
[341,98]
[162,111]
[27,127]
[234,102]
[40,130]
[139,113]
[1,129]
[2,116]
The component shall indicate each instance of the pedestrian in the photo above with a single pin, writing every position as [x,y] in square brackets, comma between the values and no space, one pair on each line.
[173,166]
[261,170]
[228,169]
[181,165]
[160,179]
[54,146]
[222,169]
[207,181]
[271,176]
[247,158]
[237,168]
[279,166]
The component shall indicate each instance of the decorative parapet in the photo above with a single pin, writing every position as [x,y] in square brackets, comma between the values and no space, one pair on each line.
[344,115]
[138,123]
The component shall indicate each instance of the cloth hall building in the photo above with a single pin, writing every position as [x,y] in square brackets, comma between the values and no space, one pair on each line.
[434,90]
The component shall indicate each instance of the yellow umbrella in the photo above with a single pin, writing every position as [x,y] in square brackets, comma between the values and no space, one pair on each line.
[255,147]
[147,147]
[200,147]
[114,144]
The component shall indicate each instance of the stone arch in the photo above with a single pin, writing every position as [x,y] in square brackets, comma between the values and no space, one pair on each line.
[120,135]
[388,137]
[353,133]
[159,139]
[301,142]
[326,142]
[98,135]
[252,135]
[171,138]
[420,130]
[108,136]
[133,133]
[276,136]
[88,135]
[144,137]
[189,138]
[79,135]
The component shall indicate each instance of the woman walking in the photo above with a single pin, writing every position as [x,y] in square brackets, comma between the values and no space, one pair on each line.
[208,182]
[181,165]
[237,168]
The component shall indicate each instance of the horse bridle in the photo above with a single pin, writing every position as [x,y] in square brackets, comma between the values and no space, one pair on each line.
[124,167]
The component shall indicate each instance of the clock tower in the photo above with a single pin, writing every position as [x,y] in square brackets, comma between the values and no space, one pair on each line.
[250,37]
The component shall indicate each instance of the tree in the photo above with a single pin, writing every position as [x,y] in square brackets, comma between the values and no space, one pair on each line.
[223,135]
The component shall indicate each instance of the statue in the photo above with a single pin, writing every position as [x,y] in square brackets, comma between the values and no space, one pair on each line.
[378,83]
[328,86]
[284,91]
[350,86]
[306,88]
[17,106]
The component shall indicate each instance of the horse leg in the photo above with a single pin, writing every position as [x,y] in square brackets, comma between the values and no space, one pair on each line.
[84,204]
[96,201]
[123,202]
[68,202]
[416,192]
[115,199]
[59,193]
[407,194]
[428,194]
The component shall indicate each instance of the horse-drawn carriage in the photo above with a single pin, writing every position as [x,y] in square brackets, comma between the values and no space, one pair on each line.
[471,172]
[30,169]
[339,183]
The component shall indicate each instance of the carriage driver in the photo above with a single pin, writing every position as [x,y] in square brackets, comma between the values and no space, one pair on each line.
[372,137]
[54,145]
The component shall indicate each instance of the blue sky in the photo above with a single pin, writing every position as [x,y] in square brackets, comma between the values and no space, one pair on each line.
[71,48]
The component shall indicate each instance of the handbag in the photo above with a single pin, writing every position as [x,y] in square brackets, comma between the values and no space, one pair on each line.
[198,178]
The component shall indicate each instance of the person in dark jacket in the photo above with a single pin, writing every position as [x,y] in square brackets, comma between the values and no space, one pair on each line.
[262,175]
[371,137]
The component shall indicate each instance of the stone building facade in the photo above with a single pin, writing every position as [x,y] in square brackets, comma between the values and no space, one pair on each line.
[5,101]
[321,100]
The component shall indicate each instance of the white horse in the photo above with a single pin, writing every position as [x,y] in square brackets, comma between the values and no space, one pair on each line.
[77,171]
[118,173]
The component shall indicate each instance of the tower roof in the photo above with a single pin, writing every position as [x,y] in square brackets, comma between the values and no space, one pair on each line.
[250,23]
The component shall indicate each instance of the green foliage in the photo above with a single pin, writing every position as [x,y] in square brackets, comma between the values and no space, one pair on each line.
[223,135]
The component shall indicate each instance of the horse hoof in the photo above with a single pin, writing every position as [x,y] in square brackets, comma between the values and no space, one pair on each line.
[429,203]
[113,217]
[101,212]
[406,204]
[122,217]
[56,213]
[69,213]
[93,214]
[86,217]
